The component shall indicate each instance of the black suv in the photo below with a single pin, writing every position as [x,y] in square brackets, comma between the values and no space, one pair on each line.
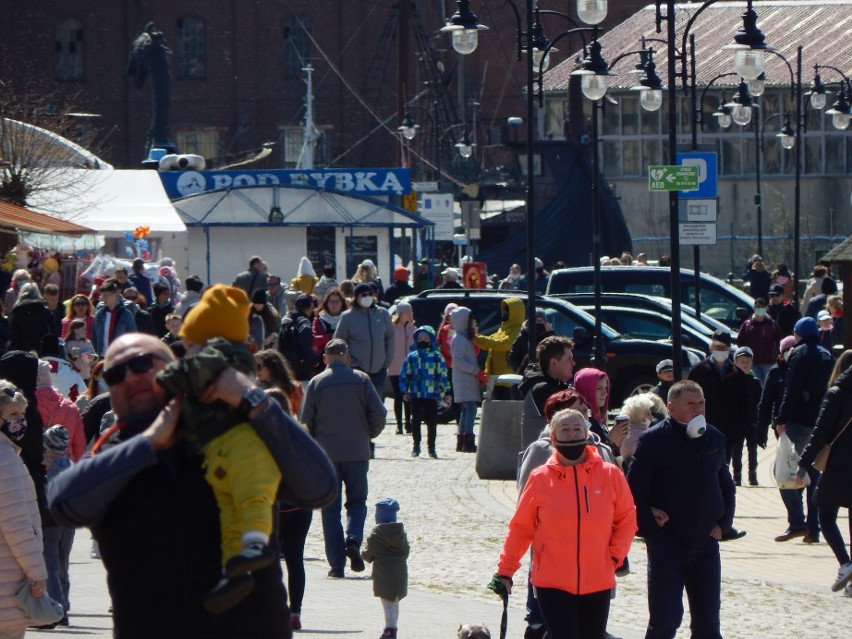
[719,300]
[631,363]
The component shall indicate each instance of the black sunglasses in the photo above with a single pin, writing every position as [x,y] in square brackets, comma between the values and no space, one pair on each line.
[139,365]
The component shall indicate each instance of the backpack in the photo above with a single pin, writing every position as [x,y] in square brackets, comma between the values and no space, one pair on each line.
[288,343]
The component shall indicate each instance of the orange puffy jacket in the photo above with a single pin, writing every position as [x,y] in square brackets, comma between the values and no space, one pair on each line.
[580,520]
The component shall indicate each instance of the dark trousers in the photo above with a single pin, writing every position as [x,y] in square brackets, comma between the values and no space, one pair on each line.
[570,616]
[293,526]
[671,568]
[424,410]
[400,407]
[831,532]
[750,440]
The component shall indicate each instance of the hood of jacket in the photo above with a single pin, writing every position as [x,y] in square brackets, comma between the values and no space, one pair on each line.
[460,319]
[586,383]
[392,535]
[845,380]
[306,268]
[532,376]
[428,330]
[20,368]
[516,314]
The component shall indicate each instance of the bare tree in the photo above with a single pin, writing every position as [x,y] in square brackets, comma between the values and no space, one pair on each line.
[38,127]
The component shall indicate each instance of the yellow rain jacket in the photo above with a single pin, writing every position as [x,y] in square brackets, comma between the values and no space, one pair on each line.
[500,343]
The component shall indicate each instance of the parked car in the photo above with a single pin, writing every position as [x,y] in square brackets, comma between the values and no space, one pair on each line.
[704,323]
[639,323]
[631,363]
[718,299]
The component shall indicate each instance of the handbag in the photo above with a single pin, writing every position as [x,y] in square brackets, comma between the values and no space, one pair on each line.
[821,460]
[41,611]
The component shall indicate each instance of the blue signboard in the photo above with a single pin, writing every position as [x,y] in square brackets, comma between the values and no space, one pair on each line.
[707,173]
[363,182]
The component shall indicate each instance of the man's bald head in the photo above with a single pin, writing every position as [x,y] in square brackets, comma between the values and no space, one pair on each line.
[137,393]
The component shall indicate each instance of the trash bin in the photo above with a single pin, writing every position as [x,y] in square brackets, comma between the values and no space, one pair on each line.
[500,432]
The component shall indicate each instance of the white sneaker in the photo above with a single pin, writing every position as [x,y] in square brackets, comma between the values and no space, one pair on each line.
[844,575]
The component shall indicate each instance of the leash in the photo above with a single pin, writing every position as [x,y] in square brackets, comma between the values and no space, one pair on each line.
[497,586]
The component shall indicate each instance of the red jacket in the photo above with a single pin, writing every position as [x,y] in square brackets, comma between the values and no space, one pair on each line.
[580,520]
[55,409]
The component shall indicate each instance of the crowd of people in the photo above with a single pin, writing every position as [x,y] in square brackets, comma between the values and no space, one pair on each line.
[103,398]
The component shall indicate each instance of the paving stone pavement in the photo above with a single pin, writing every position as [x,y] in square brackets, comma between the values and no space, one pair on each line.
[456,523]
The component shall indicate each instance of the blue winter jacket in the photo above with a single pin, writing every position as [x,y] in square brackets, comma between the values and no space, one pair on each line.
[125,323]
[424,372]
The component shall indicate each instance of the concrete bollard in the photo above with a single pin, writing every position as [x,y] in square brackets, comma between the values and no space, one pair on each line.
[499,439]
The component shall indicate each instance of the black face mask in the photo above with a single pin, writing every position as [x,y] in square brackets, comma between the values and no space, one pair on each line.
[571,450]
[423,345]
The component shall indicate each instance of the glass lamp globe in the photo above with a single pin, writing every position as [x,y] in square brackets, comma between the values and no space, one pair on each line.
[538,64]
[840,120]
[408,132]
[591,11]
[724,120]
[748,63]
[756,87]
[593,86]
[787,141]
[818,100]
[651,99]
[465,40]
[741,114]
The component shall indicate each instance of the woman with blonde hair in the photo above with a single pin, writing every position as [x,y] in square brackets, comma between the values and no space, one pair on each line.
[367,273]
[80,307]
[21,542]
[639,410]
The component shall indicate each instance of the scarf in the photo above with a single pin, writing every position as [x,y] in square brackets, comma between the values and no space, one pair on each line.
[330,320]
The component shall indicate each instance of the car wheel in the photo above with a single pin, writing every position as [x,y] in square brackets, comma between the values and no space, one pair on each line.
[635,385]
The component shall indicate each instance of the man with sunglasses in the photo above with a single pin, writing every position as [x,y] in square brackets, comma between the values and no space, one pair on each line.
[154,515]
[113,317]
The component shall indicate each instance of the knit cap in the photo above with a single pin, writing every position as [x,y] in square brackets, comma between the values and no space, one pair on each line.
[386,510]
[56,439]
[806,327]
[222,312]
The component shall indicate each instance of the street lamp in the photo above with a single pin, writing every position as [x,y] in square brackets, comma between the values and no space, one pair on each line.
[650,85]
[749,50]
[464,145]
[408,128]
[464,27]
[741,105]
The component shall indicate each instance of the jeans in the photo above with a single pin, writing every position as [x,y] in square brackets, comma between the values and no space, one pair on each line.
[292,532]
[570,616]
[792,497]
[761,371]
[832,534]
[673,567]
[57,549]
[378,378]
[352,475]
[468,415]
[750,441]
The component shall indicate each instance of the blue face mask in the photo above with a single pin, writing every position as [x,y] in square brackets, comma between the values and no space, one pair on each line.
[14,429]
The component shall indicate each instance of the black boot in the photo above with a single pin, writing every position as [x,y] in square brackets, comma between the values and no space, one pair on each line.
[460,442]
[469,443]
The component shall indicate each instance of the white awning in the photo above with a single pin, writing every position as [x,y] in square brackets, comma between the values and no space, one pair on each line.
[110,202]
[251,206]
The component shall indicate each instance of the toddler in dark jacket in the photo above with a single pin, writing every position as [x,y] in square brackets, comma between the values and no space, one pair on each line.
[387,549]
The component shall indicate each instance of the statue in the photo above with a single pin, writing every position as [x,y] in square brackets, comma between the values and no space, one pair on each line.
[150,55]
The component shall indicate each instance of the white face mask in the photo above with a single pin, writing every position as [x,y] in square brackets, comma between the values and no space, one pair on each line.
[696,427]
[760,312]
[365,302]
[719,356]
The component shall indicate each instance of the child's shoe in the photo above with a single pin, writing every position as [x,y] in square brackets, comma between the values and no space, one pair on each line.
[389,633]
[254,556]
[227,594]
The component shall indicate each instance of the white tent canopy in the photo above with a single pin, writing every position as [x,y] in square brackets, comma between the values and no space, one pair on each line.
[299,206]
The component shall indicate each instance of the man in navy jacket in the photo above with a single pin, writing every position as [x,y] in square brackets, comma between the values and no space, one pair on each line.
[685,502]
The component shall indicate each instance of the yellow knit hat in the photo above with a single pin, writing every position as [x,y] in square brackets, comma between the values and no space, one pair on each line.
[222,312]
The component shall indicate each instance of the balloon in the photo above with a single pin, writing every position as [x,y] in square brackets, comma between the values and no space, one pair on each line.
[50,265]
[128,236]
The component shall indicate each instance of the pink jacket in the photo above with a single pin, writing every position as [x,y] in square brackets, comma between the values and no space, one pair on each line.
[55,409]
[580,521]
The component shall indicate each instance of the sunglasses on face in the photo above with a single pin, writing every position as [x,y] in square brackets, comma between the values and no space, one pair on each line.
[140,365]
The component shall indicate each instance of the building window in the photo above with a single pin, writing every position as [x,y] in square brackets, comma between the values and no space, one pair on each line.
[203,142]
[297,45]
[290,143]
[190,48]
[69,49]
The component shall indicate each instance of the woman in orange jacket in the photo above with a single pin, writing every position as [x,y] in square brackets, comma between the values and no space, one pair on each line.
[577,512]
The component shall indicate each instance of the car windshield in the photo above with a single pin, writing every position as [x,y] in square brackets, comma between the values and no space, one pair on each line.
[564,324]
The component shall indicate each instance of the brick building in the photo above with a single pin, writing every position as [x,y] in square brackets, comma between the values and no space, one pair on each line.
[237,79]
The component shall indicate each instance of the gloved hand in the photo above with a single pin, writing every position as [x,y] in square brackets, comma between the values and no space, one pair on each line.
[498,586]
